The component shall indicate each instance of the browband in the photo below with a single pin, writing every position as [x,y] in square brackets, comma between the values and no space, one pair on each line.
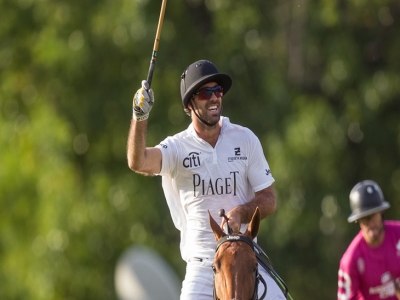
[234,238]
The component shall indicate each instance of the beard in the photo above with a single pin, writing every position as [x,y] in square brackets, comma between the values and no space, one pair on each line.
[208,118]
[374,235]
[211,119]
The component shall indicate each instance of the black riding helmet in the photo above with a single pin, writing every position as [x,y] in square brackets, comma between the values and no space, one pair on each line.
[366,198]
[199,73]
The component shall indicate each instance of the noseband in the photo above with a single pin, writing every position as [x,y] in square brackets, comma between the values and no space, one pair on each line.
[240,238]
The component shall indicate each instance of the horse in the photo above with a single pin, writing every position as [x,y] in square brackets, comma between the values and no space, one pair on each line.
[235,264]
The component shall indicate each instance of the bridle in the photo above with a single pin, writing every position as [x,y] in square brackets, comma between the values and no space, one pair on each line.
[262,259]
[248,241]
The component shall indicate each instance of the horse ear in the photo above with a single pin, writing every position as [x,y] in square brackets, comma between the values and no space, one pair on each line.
[254,225]
[218,232]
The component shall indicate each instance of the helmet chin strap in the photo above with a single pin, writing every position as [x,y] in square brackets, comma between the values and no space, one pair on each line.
[200,118]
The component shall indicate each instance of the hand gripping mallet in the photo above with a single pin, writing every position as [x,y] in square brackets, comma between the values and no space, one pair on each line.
[156,42]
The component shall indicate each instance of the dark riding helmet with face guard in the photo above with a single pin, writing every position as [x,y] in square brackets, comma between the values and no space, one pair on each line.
[366,198]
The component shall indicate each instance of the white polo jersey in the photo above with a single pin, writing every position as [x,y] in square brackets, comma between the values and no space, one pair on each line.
[198,178]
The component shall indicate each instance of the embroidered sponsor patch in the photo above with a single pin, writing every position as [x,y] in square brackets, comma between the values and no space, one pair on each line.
[230,159]
[192,160]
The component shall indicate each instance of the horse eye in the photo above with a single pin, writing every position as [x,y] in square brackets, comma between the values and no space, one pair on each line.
[213,268]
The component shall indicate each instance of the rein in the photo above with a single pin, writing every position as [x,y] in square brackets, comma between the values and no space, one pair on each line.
[240,238]
[265,262]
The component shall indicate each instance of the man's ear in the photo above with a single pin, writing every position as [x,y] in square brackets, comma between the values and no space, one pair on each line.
[189,105]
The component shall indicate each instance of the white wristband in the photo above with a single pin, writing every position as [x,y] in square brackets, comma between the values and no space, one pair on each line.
[140,118]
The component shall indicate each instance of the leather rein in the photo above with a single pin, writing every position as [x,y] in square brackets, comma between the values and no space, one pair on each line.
[240,238]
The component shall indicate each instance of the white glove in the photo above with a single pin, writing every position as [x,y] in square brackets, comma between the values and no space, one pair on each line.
[143,102]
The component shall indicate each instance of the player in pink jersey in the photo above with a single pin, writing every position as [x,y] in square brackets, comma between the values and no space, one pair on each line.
[370,267]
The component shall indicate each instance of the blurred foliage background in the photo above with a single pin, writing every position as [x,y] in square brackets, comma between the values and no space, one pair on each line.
[317,81]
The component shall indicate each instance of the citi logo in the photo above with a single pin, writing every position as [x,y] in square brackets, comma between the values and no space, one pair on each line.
[192,160]
[233,237]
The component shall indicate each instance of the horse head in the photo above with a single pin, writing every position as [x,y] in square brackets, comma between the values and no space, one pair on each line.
[235,263]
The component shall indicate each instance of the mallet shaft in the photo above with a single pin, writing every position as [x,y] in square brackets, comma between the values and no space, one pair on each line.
[156,42]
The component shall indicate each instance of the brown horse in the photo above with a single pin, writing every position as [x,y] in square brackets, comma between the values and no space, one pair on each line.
[235,264]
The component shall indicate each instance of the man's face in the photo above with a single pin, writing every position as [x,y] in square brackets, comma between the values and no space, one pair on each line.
[372,229]
[209,110]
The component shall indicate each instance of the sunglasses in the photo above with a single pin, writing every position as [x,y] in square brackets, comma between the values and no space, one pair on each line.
[206,93]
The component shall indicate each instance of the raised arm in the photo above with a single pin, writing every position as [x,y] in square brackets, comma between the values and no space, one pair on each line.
[265,200]
[142,159]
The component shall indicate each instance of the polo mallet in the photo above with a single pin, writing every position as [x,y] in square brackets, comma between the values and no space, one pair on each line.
[156,42]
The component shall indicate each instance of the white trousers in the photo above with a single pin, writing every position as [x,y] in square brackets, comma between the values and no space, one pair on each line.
[198,283]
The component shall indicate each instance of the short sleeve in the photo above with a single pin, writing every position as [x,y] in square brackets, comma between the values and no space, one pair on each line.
[169,156]
[348,279]
[259,174]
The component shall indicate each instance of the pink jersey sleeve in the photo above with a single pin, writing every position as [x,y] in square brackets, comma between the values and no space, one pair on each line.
[348,277]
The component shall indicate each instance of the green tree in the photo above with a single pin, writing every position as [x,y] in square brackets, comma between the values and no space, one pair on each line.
[317,81]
